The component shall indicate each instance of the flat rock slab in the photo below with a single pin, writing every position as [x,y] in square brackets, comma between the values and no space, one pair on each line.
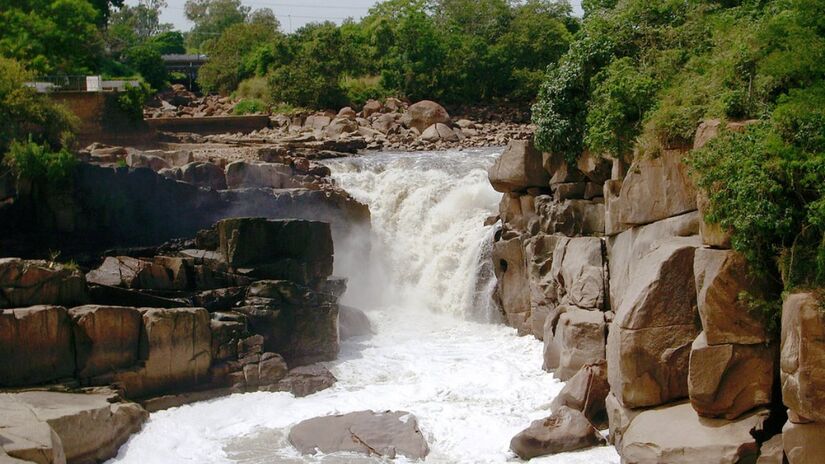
[385,434]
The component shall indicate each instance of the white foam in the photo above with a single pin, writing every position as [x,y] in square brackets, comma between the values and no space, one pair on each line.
[471,385]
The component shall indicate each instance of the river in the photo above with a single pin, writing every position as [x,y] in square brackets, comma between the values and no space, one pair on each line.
[439,350]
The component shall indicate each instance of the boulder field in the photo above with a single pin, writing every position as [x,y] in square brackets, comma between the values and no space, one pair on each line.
[638,302]
[252,305]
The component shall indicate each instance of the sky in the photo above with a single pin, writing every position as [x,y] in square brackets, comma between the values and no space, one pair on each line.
[294,13]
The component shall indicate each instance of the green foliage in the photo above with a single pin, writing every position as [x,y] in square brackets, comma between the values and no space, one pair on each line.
[146,60]
[51,36]
[211,18]
[38,164]
[250,106]
[358,91]
[133,99]
[168,43]
[254,88]
[25,114]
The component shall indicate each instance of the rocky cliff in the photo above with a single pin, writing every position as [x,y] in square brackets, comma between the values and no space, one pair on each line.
[637,301]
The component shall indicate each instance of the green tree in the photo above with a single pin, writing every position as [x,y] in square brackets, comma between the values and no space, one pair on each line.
[211,18]
[146,60]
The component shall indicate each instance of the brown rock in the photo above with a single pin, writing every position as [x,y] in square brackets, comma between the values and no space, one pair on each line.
[306,380]
[438,132]
[560,172]
[140,160]
[35,345]
[771,452]
[596,168]
[518,168]
[207,175]
[256,174]
[578,269]
[676,435]
[125,271]
[571,217]
[802,361]
[713,235]
[106,338]
[619,418]
[803,443]
[29,283]
[586,392]
[579,339]
[565,430]
[656,189]
[538,253]
[271,369]
[371,107]
[424,114]
[728,380]
[511,272]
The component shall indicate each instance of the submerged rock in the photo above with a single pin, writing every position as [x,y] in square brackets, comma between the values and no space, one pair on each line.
[566,430]
[384,434]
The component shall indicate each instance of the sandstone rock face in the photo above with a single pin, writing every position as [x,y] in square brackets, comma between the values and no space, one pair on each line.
[297,250]
[538,253]
[176,350]
[656,189]
[727,380]
[386,434]
[35,345]
[676,434]
[619,418]
[30,283]
[560,171]
[518,168]
[653,293]
[612,222]
[803,443]
[771,452]
[255,174]
[570,217]
[50,427]
[106,338]
[424,114]
[579,339]
[721,275]
[713,235]
[565,430]
[578,269]
[586,392]
[206,175]
[802,360]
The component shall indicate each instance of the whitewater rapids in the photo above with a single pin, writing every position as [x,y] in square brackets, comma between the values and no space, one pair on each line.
[438,351]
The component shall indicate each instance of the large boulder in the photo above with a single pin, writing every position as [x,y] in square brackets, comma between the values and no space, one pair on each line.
[677,435]
[511,272]
[565,430]
[570,217]
[175,158]
[128,272]
[438,132]
[579,270]
[803,443]
[656,189]
[560,170]
[424,114]
[538,253]
[35,345]
[257,174]
[306,380]
[385,434]
[30,283]
[802,360]
[75,428]
[771,451]
[579,339]
[586,392]
[518,168]
[340,126]
[175,349]
[654,296]
[207,175]
[727,380]
[297,250]
[106,338]
[721,277]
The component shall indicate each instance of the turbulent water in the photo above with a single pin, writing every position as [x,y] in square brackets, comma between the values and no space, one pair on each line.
[437,352]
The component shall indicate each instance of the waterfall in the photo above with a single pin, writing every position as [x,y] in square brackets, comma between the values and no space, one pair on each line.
[430,248]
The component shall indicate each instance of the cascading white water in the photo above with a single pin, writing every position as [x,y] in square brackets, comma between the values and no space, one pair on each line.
[471,383]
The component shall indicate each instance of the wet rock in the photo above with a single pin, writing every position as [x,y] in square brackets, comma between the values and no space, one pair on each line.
[518,169]
[803,357]
[721,277]
[307,380]
[656,189]
[28,283]
[35,345]
[271,369]
[565,430]
[106,338]
[727,380]
[256,174]
[511,272]
[386,434]
[50,427]
[352,322]
[424,114]
[207,175]
[586,392]
[803,443]
[676,434]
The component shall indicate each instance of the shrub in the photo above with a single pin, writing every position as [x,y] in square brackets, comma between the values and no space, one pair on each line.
[254,87]
[250,106]
[38,164]
[359,90]
[132,100]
